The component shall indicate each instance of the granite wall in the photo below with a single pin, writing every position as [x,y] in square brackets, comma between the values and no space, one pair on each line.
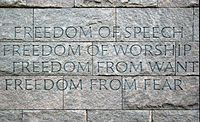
[99,60]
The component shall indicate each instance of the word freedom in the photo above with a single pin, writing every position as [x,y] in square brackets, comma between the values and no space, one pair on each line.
[83,61]
[93,84]
[135,49]
[100,32]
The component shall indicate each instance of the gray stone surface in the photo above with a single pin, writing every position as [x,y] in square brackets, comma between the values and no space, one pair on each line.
[196,24]
[136,3]
[11,115]
[119,116]
[154,17]
[99,3]
[135,59]
[178,3]
[27,96]
[97,97]
[8,3]
[64,58]
[187,61]
[14,17]
[54,116]
[50,3]
[115,3]
[95,3]
[161,97]
[135,101]
[176,116]
[76,17]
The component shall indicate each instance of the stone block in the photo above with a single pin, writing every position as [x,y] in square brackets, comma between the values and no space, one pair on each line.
[178,3]
[74,24]
[154,24]
[12,3]
[54,116]
[116,3]
[26,92]
[119,116]
[13,21]
[92,92]
[11,115]
[50,3]
[176,116]
[170,92]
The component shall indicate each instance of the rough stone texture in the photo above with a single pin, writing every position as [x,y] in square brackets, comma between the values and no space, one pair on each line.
[122,64]
[30,99]
[115,3]
[187,60]
[99,3]
[188,98]
[95,3]
[59,54]
[9,3]
[54,116]
[50,3]
[178,3]
[196,24]
[76,17]
[96,98]
[176,116]
[10,115]
[155,17]
[119,116]
[136,3]
[121,105]
[13,17]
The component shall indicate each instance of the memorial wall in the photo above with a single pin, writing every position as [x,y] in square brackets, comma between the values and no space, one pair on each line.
[99,60]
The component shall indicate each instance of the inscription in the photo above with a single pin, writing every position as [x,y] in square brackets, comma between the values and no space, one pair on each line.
[99,84]
[99,58]
[103,32]
[71,58]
